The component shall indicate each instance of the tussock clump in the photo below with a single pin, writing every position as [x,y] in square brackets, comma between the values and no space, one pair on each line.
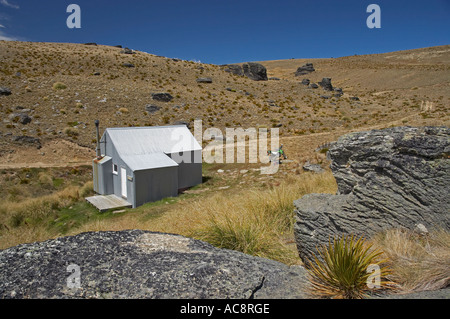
[419,261]
[59,86]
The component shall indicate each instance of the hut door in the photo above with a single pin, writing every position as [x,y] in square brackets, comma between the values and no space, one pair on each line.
[123,179]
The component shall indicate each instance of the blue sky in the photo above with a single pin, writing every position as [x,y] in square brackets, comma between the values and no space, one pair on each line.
[231,31]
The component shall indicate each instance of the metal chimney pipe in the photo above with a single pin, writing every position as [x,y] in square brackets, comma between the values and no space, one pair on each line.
[97,122]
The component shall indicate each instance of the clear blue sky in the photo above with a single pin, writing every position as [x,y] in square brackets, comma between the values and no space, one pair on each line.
[227,31]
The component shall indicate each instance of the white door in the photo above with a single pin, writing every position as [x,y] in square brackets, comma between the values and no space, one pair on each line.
[123,178]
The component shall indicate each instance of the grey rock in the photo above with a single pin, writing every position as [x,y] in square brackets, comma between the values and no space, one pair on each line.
[354,98]
[274,79]
[204,80]
[152,108]
[313,86]
[140,264]
[305,69]
[396,177]
[326,84]
[127,51]
[162,97]
[305,82]
[21,118]
[234,69]
[255,71]
[128,65]
[27,140]
[5,91]
[316,168]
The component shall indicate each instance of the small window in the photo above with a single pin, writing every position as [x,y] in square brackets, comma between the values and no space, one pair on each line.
[115,169]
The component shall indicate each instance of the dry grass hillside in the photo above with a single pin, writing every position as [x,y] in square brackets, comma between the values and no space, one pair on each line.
[47,141]
[64,87]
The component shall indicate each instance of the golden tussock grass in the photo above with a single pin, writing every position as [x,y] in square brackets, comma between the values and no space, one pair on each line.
[418,262]
[20,221]
[256,222]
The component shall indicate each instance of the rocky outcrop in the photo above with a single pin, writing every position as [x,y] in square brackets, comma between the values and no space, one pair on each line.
[252,70]
[396,177]
[305,69]
[326,84]
[234,69]
[255,71]
[141,264]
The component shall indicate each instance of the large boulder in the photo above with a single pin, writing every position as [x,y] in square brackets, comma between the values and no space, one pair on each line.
[252,70]
[140,264]
[255,71]
[395,177]
[234,69]
[305,69]
[326,84]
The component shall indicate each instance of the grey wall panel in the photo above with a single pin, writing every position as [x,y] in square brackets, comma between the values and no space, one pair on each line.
[189,173]
[155,184]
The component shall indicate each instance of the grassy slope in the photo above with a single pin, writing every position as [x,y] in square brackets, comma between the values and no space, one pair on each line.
[243,211]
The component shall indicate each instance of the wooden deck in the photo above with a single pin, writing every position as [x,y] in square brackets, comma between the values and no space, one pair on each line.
[106,202]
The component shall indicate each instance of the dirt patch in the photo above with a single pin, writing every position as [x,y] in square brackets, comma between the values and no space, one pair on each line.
[54,153]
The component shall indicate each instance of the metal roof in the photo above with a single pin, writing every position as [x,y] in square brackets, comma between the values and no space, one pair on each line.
[148,161]
[152,139]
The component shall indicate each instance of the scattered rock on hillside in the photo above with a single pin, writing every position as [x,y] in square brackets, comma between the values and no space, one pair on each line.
[235,69]
[204,80]
[252,70]
[140,264]
[152,108]
[305,69]
[255,71]
[326,84]
[338,92]
[162,97]
[5,91]
[127,51]
[128,65]
[305,82]
[313,86]
[27,140]
[354,98]
[316,168]
[21,118]
[396,177]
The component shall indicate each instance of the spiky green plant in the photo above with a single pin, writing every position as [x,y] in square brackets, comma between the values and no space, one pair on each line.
[342,271]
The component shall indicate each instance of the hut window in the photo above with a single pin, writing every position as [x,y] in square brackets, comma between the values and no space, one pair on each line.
[115,169]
